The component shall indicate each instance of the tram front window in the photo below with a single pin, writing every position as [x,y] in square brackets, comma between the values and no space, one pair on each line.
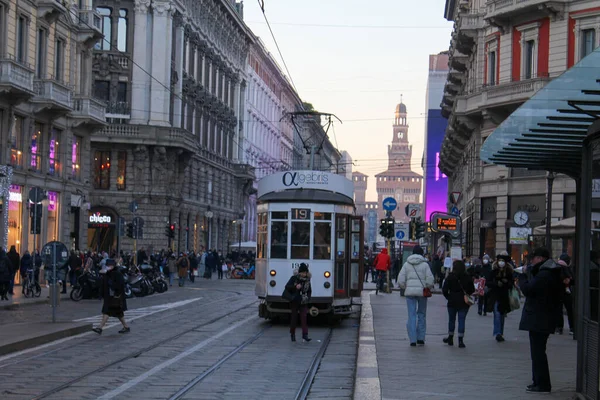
[279,238]
[300,240]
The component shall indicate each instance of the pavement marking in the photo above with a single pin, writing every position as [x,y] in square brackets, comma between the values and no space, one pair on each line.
[135,381]
[136,313]
[367,384]
[92,320]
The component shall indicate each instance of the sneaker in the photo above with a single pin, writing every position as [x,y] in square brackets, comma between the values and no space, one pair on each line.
[571,332]
[537,389]
[125,330]
[97,330]
[499,338]
[420,343]
[413,345]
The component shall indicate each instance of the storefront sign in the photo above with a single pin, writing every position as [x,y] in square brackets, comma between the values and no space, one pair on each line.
[15,194]
[98,218]
[534,206]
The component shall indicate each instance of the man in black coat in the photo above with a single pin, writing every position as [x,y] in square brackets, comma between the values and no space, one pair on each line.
[543,290]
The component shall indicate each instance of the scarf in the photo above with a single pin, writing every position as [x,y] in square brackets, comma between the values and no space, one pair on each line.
[305,282]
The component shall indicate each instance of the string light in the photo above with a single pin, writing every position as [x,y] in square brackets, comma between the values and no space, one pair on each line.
[6,173]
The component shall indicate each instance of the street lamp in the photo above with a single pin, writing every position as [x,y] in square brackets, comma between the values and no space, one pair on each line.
[240,222]
[209,214]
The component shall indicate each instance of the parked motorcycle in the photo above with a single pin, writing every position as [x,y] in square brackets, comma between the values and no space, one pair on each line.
[88,286]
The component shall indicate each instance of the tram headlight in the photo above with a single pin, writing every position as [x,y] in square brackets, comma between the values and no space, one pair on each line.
[327,285]
[272,283]
[327,274]
[273,272]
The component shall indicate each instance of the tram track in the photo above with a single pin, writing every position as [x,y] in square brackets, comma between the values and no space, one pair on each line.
[137,353]
[302,393]
[88,341]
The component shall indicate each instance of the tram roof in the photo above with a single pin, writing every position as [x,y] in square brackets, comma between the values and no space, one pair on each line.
[307,196]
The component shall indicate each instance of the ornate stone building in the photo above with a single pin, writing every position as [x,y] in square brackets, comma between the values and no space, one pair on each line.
[399,180]
[173,73]
[47,116]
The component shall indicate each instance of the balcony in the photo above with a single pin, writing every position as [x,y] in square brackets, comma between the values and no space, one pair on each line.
[16,81]
[51,97]
[90,28]
[507,94]
[500,12]
[50,10]
[470,24]
[118,109]
[88,113]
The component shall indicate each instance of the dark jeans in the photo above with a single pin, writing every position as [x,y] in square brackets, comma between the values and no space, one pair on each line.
[462,316]
[4,288]
[539,361]
[481,303]
[381,279]
[220,273]
[11,284]
[568,303]
[367,275]
[303,310]
[192,277]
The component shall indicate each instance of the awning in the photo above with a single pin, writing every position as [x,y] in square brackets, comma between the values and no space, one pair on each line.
[547,131]
[564,227]
[243,245]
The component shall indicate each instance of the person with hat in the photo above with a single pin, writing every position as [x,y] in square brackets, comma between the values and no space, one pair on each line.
[299,287]
[543,288]
[415,276]
[499,284]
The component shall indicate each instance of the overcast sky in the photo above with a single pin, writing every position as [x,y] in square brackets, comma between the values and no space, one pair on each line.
[354,59]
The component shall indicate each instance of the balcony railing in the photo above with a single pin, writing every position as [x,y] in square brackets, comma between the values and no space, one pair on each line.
[118,108]
[85,106]
[16,75]
[49,90]
[508,8]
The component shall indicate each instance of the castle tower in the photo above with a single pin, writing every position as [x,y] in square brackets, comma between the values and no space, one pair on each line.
[399,180]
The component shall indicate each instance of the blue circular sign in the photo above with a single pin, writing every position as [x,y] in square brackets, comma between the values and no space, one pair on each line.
[389,204]
[400,235]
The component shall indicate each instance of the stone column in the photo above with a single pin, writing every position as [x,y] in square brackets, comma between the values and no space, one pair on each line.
[162,13]
[179,43]
[142,53]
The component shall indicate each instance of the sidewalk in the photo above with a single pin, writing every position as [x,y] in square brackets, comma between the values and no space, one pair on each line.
[19,300]
[497,371]
[31,334]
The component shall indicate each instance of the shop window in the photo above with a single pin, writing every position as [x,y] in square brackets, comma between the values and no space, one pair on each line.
[102,170]
[16,142]
[54,152]
[105,43]
[15,210]
[35,162]
[121,169]
[76,158]
[52,219]
[122,31]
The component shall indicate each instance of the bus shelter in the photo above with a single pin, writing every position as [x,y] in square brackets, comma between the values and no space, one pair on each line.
[558,130]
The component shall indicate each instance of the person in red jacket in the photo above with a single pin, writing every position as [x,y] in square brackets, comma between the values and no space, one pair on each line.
[382,263]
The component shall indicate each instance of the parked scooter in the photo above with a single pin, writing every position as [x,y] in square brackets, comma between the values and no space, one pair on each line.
[88,286]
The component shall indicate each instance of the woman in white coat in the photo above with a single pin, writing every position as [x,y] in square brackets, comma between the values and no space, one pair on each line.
[414,277]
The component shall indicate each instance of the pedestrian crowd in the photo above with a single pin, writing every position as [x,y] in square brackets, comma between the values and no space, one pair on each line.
[496,286]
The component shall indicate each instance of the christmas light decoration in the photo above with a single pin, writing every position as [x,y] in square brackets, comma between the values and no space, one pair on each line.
[6,173]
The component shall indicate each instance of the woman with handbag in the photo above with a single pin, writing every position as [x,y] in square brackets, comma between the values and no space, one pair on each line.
[113,289]
[297,292]
[417,281]
[500,284]
[457,289]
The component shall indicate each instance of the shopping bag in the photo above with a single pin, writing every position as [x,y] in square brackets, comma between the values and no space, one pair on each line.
[513,298]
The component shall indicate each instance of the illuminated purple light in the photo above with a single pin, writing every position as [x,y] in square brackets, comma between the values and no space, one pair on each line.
[52,198]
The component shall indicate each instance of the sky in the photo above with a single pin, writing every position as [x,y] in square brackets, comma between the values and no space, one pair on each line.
[355,59]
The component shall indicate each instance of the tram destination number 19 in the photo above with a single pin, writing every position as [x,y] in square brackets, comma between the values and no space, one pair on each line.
[300,213]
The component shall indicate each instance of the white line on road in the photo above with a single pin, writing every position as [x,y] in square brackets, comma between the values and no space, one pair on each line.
[114,393]
[92,319]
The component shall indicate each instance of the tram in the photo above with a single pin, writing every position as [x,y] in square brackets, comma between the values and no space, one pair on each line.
[308,217]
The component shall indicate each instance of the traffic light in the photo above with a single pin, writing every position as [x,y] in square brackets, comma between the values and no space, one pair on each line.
[383,228]
[172,231]
[412,230]
[130,230]
[420,229]
[386,228]
[168,231]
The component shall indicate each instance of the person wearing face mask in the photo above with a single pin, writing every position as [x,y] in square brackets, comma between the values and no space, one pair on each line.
[486,271]
[499,284]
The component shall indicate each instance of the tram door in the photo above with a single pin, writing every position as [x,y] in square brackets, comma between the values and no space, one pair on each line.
[349,256]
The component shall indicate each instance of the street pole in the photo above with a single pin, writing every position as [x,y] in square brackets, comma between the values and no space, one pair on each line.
[389,221]
[55,292]
[34,225]
[240,244]
[550,179]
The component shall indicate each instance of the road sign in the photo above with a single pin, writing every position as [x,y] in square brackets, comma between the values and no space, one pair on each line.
[389,204]
[413,210]
[55,248]
[454,197]
[454,211]
[36,195]
[401,231]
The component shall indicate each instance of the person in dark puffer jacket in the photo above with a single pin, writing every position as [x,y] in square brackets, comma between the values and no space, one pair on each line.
[456,286]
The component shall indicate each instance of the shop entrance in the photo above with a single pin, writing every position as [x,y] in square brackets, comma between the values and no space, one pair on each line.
[102,230]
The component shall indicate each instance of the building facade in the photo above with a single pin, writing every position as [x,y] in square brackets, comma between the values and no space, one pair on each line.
[47,117]
[500,55]
[399,180]
[268,136]
[174,76]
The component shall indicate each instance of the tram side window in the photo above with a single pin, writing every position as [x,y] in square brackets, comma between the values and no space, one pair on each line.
[322,245]
[261,236]
[300,240]
[279,235]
